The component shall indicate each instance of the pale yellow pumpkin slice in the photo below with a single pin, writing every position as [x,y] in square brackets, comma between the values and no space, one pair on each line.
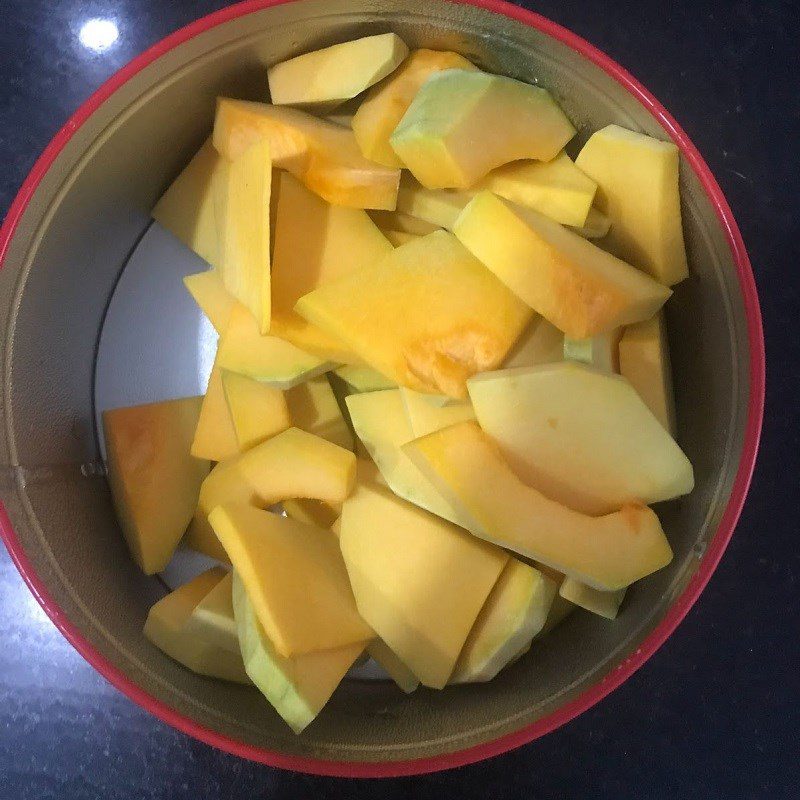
[637,179]
[168,628]
[418,580]
[210,294]
[268,359]
[558,189]
[515,611]
[328,76]
[186,209]
[257,411]
[242,208]
[215,435]
[381,423]
[580,436]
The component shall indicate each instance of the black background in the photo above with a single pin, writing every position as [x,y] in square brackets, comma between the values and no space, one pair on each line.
[714,714]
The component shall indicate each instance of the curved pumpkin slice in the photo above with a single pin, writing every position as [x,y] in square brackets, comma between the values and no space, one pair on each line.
[290,465]
[298,464]
[607,552]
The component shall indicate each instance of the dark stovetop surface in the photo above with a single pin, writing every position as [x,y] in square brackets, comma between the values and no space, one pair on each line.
[714,714]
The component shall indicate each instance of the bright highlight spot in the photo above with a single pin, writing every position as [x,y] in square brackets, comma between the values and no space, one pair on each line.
[98,34]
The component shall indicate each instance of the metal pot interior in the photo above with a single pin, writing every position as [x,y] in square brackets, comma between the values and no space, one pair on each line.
[89,214]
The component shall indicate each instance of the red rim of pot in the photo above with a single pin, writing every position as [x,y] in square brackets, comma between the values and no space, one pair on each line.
[676,612]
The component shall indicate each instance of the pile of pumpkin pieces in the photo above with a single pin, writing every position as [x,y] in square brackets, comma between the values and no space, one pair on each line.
[441,401]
